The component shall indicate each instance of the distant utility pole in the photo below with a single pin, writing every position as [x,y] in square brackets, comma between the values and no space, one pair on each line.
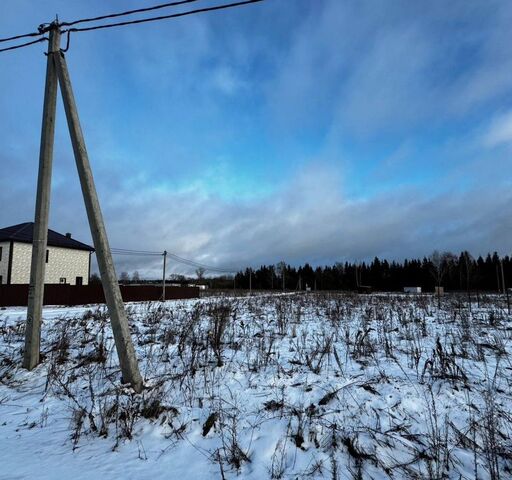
[250,280]
[503,287]
[118,319]
[163,276]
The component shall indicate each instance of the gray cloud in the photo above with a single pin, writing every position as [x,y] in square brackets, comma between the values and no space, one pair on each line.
[311,220]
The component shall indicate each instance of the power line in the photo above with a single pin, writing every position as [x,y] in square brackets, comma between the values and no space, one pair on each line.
[177,258]
[128,12]
[141,252]
[43,39]
[164,17]
[151,253]
[193,263]
[46,27]
[200,265]
[25,35]
[136,254]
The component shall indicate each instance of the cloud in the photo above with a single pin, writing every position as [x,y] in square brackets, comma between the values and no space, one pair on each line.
[309,220]
[392,68]
[499,132]
[226,81]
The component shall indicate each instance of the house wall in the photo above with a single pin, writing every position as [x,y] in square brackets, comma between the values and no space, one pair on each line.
[62,263]
[412,289]
[4,261]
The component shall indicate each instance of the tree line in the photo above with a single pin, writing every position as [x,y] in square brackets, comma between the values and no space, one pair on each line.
[453,272]
[460,272]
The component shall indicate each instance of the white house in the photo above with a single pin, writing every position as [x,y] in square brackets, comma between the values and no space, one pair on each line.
[67,260]
[412,289]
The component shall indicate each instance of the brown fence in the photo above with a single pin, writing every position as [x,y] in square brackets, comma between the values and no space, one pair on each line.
[17,295]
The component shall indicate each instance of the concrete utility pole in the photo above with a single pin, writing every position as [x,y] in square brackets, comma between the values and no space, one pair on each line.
[163,277]
[40,236]
[121,330]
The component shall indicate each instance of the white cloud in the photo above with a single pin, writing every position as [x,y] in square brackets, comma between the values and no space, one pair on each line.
[227,81]
[500,131]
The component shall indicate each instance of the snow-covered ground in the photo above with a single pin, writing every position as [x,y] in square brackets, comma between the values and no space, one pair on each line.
[297,386]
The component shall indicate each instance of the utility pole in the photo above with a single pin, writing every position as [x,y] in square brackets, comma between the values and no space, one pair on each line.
[118,319]
[283,277]
[42,210]
[250,281]
[503,287]
[272,278]
[163,276]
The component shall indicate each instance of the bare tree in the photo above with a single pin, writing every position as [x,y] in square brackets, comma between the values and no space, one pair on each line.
[440,265]
[340,269]
[468,261]
[176,277]
[95,278]
[200,271]
[124,277]
[281,269]
[135,276]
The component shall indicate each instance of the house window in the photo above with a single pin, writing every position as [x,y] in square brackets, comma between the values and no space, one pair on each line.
[79,281]
[1,248]
[62,280]
[47,255]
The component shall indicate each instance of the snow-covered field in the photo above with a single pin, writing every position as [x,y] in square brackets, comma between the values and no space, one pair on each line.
[297,386]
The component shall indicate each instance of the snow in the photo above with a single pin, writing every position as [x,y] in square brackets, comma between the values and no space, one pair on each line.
[295,386]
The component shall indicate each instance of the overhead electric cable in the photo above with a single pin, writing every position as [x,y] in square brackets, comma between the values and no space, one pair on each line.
[44,28]
[43,39]
[128,12]
[198,264]
[177,258]
[164,17]
[135,254]
[25,35]
[136,251]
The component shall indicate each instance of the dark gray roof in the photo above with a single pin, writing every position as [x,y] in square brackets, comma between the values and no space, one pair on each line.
[24,232]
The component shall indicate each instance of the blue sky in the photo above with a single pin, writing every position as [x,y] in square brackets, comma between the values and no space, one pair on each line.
[297,130]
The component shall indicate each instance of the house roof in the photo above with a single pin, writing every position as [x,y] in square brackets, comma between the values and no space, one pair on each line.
[24,232]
